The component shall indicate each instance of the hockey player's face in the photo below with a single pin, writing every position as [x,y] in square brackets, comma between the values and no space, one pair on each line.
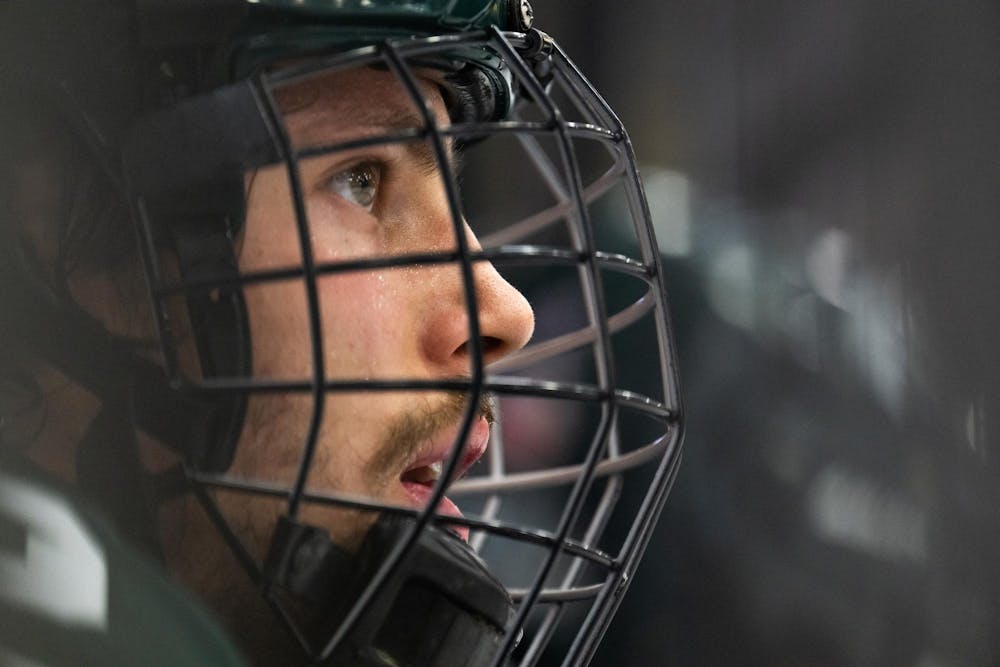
[407,322]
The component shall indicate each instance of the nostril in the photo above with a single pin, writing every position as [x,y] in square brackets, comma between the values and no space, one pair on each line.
[491,344]
[488,344]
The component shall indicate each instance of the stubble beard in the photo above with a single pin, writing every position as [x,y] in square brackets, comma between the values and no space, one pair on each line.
[221,580]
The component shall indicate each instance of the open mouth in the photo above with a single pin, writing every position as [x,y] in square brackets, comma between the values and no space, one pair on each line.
[427,474]
[423,474]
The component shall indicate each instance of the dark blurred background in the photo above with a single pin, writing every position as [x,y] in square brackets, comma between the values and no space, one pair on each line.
[825,179]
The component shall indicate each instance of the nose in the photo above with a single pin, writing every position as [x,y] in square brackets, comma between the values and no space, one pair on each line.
[505,319]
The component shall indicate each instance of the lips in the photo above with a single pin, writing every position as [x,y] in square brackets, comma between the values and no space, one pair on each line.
[423,472]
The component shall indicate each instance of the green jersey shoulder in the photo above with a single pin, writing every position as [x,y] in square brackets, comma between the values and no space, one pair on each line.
[72,593]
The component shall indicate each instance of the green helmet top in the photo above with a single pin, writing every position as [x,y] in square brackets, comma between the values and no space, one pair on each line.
[451,14]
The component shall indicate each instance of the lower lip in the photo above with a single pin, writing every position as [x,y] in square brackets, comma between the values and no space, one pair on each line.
[421,495]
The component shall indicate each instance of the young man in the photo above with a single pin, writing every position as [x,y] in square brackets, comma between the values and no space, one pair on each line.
[328,335]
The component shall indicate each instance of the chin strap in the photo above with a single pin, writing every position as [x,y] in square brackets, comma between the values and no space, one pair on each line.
[441,606]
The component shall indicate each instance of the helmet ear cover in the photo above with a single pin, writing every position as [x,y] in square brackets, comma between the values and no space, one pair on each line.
[201,241]
[185,167]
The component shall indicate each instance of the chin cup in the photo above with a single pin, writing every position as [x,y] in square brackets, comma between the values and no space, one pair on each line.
[439,606]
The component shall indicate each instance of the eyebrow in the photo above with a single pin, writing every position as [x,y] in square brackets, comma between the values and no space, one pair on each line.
[380,120]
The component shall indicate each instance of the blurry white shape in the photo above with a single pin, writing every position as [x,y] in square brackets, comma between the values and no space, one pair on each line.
[826,265]
[974,430]
[850,510]
[669,195]
[873,300]
[731,286]
[876,335]
[62,573]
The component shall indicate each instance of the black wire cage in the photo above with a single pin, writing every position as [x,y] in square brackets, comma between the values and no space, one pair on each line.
[552,192]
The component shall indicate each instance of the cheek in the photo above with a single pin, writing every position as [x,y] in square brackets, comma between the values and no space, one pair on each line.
[364,322]
[366,315]
[279,330]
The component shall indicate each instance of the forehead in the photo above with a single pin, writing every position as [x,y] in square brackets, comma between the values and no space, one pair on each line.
[354,102]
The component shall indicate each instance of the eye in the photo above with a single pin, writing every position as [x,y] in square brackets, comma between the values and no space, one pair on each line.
[358,184]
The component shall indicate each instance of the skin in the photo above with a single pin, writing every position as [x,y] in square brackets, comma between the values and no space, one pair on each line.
[384,324]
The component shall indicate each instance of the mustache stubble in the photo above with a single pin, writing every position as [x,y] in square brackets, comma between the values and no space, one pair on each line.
[408,433]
